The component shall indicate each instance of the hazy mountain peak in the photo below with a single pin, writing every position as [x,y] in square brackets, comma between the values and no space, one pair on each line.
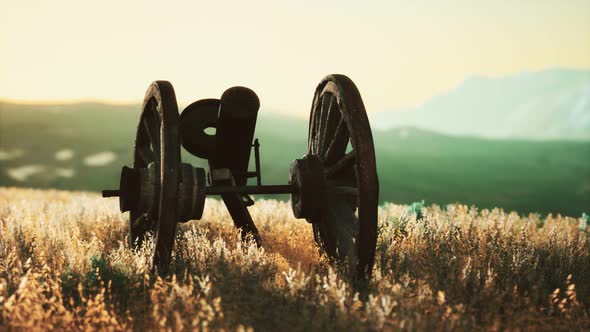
[547,104]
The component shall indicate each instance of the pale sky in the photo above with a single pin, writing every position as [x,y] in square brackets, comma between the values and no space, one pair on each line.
[399,53]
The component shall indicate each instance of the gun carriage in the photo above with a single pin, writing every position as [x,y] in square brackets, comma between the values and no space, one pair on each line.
[334,186]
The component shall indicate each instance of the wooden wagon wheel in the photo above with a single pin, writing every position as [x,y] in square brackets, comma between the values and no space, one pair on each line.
[339,133]
[157,158]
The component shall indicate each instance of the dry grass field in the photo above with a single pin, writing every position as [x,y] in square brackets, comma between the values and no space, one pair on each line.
[65,264]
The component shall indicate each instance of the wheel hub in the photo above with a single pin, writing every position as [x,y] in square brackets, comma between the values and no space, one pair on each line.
[191,193]
[138,188]
[307,175]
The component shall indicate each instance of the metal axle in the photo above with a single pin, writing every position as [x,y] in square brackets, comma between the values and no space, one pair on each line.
[218,190]
[253,190]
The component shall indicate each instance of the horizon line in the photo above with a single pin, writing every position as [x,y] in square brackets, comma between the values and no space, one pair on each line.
[139,101]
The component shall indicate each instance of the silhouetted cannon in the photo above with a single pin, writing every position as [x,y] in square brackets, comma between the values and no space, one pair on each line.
[334,186]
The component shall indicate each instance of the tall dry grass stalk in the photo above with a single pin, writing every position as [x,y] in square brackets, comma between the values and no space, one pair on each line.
[65,264]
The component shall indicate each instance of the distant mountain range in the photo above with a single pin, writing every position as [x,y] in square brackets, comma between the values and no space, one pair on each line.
[549,104]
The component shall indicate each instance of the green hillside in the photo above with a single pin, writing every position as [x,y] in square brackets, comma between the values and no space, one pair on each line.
[525,176]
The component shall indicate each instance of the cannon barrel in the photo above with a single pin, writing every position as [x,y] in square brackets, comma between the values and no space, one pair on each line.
[236,122]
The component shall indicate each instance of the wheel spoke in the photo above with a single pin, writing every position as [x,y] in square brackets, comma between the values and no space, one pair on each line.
[327,100]
[315,125]
[338,143]
[139,226]
[153,130]
[340,227]
[141,221]
[342,190]
[318,126]
[333,119]
[346,161]
[146,154]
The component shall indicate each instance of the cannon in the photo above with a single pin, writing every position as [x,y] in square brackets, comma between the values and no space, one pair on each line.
[334,186]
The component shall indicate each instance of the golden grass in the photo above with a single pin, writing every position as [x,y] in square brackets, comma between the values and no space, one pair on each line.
[65,264]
